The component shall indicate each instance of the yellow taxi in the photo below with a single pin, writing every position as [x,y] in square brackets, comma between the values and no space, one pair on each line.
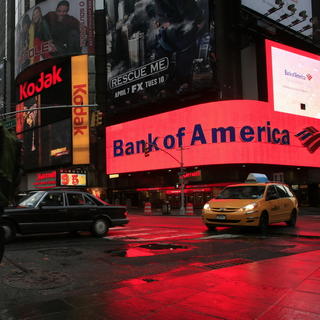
[254,203]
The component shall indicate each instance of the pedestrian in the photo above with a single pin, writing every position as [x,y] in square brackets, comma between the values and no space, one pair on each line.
[1,236]
[65,29]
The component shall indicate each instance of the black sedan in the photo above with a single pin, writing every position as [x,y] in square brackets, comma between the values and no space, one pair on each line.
[61,211]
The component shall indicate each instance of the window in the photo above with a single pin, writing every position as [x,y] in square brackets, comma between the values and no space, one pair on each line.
[281,191]
[89,201]
[290,194]
[272,192]
[53,199]
[75,199]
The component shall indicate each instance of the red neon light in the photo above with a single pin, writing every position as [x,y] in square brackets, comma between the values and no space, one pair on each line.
[208,186]
[188,191]
[45,81]
[192,174]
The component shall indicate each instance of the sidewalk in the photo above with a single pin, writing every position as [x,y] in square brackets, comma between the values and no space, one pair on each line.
[280,288]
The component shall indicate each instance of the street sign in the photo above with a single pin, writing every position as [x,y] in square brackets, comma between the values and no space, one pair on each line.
[10,123]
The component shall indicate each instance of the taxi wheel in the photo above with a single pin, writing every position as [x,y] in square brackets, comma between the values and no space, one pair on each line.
[263,222]
[293,219]
[9,231]
[100,227]
[211,227]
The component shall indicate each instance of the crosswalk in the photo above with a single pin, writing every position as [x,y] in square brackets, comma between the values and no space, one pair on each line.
[156,234]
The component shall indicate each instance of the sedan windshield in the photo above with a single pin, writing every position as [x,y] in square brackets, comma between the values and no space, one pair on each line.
[242,192]
[32,200]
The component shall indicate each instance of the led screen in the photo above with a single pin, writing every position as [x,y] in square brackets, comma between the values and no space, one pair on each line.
[43,146]
[293,80]
[53,29]
[224,132]
[158,50]
[294,14]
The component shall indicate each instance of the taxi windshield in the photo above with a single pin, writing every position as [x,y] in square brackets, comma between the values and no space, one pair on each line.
[242,192]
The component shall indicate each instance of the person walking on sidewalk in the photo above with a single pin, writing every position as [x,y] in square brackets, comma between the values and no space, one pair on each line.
[1,241]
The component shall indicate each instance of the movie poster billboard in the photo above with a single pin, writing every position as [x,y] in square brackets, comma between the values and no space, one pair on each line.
[294,14]
[158,49]
[52,29]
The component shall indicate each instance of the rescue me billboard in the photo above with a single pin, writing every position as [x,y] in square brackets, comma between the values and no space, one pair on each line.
[158,50]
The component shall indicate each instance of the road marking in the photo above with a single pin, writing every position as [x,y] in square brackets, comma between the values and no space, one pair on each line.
[167,237]
[129,235]
[220,236]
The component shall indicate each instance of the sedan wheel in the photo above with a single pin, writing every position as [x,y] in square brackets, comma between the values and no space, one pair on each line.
[100,227]
[9,232]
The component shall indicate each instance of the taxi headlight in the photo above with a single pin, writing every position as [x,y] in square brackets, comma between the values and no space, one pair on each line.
[206,206]
[249,208]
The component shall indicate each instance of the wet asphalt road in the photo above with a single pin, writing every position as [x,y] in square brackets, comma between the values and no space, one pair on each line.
[42,267]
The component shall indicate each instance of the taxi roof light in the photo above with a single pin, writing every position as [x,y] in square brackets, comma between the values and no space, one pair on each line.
[256,177]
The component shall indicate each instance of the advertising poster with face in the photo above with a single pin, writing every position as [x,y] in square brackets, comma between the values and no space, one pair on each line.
[158,49]
[54,29]
[28,120]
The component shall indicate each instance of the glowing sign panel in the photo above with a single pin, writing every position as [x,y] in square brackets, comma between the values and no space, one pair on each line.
[213,133]
[73,179]
[293,80]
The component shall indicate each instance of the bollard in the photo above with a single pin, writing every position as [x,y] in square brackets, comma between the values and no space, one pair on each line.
[189,209]
[147,209]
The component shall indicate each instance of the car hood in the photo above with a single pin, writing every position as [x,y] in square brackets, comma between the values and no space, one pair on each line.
[230,203]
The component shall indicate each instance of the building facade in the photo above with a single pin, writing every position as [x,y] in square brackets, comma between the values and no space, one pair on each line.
[145,100]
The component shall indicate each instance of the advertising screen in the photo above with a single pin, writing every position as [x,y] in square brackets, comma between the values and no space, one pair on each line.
[53,29]
[226,132]
[43,146]
[158,50]
[293,80]
[294,14]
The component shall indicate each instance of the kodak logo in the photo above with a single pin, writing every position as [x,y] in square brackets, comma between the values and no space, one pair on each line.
[45,81]
[80,113]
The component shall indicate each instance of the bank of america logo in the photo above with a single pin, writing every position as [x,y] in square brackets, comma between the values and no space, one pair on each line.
[309,76]
[310,138]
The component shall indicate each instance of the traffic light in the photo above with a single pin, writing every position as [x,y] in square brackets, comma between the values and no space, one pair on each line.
[146,150]
[99,118]
[96,118]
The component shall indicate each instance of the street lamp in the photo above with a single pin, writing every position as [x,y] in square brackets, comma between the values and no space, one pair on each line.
[182,207]
[180,174]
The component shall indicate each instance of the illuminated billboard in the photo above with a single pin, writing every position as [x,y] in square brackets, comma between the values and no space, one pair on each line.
[80,114]
[294,14]
[158,50]
[53,29]
[73,179]
[226,132]
[293,80]
[43,146]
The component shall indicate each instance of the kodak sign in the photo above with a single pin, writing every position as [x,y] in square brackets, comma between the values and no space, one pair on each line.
[45,81]
[80,114]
